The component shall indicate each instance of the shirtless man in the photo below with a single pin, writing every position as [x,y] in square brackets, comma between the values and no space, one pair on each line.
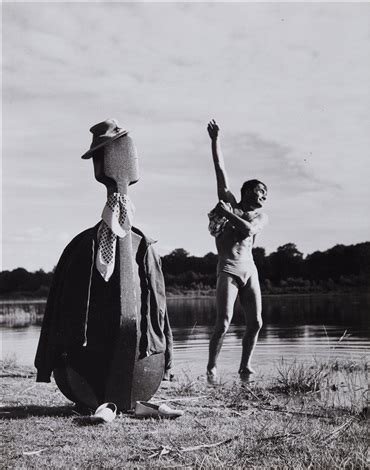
[239,222]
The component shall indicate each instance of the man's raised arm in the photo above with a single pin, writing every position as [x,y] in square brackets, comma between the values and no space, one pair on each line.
[223,192]
[246,227]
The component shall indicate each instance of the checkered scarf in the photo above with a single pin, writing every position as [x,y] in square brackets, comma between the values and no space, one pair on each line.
[117,220]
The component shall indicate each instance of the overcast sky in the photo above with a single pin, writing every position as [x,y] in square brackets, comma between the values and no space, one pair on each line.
[288,84]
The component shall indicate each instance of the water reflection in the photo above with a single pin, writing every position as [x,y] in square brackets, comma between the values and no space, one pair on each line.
[293,328]
[288,311]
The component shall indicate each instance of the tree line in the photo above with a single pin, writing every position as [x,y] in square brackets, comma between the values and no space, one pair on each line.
[340,268]
[284,270]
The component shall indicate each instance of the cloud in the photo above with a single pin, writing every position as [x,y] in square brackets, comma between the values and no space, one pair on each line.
[288,84]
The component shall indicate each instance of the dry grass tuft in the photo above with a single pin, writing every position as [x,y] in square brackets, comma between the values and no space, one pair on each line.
[235,425]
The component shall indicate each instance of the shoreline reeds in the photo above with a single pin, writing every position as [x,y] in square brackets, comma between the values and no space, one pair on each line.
[287,420]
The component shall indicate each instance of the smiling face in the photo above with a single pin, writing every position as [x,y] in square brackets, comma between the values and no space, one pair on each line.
[260,192]
[253,195]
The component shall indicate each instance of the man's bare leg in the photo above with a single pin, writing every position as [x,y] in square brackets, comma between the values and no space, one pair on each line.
[226,294]
[251,301]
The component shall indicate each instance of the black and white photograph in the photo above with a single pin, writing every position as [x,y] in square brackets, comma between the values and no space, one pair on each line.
[185,244]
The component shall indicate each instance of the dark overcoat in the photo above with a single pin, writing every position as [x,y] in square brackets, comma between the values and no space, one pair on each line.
[74,320]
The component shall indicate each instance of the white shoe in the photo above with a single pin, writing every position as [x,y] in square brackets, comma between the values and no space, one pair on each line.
[145,409]
[105,413]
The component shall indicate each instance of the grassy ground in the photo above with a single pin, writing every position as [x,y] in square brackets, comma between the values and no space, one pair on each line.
[307,416]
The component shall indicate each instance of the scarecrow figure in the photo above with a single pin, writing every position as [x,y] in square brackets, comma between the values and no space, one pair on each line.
[105,334]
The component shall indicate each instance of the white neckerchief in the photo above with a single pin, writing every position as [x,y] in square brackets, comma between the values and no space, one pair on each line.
[117,216]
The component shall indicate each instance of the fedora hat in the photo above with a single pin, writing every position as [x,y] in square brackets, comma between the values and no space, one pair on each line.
[104,132]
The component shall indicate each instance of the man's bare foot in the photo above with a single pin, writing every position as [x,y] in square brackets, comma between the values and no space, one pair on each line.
[212,375]
[246,370]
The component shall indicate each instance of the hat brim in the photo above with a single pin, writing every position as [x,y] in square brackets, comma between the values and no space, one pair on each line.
[90,152]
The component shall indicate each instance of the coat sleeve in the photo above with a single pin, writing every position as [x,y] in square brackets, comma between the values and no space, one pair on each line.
[49,342]
[50,346]
[168,355]
[159,334]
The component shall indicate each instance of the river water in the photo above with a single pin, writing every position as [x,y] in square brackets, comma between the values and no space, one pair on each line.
[302,327]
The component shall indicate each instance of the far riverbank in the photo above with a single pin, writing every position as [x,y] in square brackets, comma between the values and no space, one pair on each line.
[199,294]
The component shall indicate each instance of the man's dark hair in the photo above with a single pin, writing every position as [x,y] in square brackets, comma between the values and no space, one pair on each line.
[250,185]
